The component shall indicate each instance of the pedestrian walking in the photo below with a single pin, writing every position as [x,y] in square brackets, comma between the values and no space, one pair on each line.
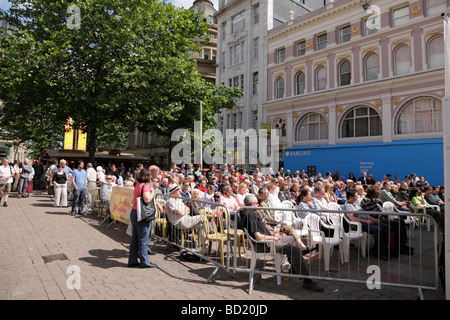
[25,173]
[6,179]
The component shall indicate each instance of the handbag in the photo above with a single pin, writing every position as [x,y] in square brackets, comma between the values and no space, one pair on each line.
[145,211]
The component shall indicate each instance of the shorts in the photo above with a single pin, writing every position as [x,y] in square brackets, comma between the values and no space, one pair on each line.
[5,188]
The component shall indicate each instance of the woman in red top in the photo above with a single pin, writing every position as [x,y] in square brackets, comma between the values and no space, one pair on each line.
[140,237]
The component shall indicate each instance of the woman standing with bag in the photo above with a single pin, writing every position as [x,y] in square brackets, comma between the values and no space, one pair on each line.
[140,237]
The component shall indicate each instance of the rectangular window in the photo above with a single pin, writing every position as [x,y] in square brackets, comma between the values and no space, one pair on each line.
[322,41]
[236,82]
[222,60]
[242,81]
[301,48]
[238,23]
[236,53]
[345,34]
[256,14]
[371,25]
[255,119]
[400,16]
[223,31]
[206,54]
[281,55]
[255,47]
[255,82]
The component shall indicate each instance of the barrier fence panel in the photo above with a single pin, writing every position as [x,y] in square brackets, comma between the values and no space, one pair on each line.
[197,227]
[372,248]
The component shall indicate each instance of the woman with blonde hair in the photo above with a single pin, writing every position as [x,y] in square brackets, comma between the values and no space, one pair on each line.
[242,192]
[329,194]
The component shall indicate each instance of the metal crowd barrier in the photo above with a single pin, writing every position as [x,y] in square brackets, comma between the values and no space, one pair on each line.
[205,232]
[336,259]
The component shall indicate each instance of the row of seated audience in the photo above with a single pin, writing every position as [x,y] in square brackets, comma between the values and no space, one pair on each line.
[309,194]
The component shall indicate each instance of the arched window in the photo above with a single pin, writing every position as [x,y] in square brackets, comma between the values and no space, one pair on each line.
[321,78]
[436,53]
[371,67]
[345,73]
[280,124]
[312,127]
[421,115]
[361,122]
[402,60]
[300,83]
[279,88]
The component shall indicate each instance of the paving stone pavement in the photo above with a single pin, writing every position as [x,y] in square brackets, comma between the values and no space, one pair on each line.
[32,228]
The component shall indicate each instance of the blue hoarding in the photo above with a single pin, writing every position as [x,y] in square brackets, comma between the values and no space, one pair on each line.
[424,157]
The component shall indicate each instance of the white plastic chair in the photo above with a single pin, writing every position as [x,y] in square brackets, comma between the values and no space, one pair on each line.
[287,204]
[256,255]
[326,244]
[390,207]
[352,235]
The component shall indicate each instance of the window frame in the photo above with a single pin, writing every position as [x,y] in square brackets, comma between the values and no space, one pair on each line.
[342,35]
[396,60]
[319,43]
[281,55]
[366,58]
[278,87]
[297,75]
[436,115]
[307,118]
[318,79]
[355,118]
[341,74]
[395,20]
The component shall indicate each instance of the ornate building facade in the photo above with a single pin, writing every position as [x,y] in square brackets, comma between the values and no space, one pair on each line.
[359,73]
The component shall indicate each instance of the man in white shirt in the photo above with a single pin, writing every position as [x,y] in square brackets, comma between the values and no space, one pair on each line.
[179,214]
[6,178]
[91,174]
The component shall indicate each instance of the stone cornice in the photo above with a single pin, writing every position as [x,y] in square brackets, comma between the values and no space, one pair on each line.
[227,7]
[321,14]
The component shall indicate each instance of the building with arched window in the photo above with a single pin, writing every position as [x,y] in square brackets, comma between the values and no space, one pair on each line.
[362,89]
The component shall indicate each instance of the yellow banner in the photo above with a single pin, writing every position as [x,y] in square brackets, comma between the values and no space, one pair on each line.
[121,203]
[68,135]
[82,140]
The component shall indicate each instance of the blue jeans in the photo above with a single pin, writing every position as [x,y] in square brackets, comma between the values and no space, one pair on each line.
[78,198]
[140,238]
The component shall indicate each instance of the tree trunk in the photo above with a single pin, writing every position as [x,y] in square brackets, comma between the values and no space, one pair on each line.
[91,141]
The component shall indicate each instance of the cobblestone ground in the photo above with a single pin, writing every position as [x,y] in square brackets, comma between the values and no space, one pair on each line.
[32,229]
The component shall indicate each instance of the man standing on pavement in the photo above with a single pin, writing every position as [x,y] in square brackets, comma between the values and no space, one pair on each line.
[27,169]
[79,182]
[6,179]
[92,183]
[65,168]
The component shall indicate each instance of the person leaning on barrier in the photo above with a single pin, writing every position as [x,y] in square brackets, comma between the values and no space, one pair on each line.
[284,244]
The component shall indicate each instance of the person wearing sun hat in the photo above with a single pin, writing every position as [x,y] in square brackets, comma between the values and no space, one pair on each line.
[179,214]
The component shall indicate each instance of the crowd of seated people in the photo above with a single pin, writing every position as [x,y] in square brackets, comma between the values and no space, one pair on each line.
[229,186]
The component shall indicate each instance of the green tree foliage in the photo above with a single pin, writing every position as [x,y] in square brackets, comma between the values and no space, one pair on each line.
[125,66]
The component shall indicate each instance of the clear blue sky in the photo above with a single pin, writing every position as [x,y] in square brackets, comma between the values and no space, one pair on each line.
[4,4]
